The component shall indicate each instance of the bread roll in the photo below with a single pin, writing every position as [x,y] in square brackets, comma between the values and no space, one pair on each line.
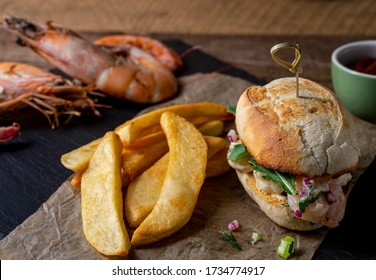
[309,135]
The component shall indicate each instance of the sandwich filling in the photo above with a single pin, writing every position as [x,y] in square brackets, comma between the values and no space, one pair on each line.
[320,199]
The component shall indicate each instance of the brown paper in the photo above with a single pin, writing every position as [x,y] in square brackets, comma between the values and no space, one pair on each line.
[55,230]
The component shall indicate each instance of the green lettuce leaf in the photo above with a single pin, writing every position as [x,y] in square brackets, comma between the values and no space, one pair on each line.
[231,109]
[237,152]
[285,180]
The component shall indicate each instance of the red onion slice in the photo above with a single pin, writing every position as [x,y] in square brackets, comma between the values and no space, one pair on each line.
[232,136]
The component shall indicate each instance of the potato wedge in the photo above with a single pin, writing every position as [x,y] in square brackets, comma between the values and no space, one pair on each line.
[142,194]
[134,162]
[156,128]
[132,129]
[78,159]
[184,178]
[212,128]
[76,180]
[102,201]
[218,164]
[215,144]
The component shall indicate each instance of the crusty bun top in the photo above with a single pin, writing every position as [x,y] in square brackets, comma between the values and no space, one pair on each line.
[311,134]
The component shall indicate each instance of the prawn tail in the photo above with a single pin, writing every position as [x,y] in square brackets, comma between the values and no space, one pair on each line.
[9,131]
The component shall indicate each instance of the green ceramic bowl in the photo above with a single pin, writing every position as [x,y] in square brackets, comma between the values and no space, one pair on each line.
[356,90]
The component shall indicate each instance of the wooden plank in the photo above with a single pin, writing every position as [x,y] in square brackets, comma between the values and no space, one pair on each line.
[213,17]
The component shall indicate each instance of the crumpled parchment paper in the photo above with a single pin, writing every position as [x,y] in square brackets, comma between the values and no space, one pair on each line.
[55,230]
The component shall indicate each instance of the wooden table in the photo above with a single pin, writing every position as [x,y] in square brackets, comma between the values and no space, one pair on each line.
[208,17]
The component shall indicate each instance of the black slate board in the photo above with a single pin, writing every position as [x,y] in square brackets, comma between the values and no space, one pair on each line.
[31,171]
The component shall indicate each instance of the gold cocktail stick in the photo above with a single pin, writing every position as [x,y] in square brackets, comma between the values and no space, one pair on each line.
[294,66]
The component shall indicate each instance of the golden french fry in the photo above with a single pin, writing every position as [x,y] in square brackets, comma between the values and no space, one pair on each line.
[132,129]
[184,178]
[218,164]
[142,194]
[78,159]
[102,201]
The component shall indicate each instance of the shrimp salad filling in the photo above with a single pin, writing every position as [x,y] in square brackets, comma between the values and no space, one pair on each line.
[319,200]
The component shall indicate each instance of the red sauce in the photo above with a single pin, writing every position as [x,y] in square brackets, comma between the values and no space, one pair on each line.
[367,66]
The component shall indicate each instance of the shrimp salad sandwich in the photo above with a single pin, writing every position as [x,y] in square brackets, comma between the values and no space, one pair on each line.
[294,154]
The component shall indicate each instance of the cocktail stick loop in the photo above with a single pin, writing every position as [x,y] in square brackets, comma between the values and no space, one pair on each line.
[294,66]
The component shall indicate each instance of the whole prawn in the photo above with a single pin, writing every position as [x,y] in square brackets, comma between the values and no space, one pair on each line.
[25,85]
[160,51]
[137,76]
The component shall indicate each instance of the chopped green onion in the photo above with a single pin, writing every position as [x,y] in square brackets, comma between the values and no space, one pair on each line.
[227,235]
[286,247]
[237,152]
[255,237]
[231,109]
